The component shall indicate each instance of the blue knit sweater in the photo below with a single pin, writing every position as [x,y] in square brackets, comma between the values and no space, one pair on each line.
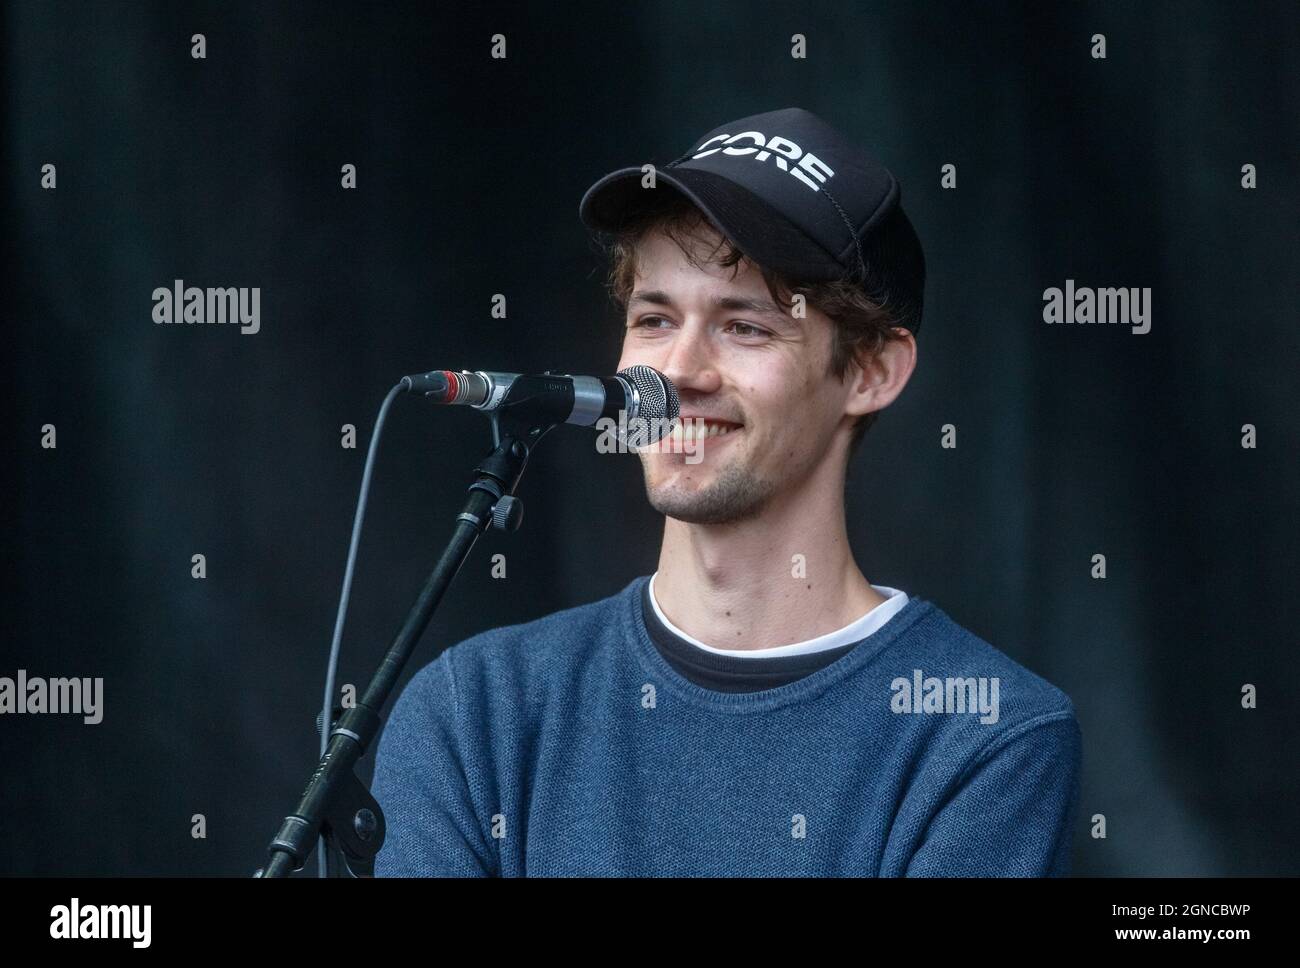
[569,746]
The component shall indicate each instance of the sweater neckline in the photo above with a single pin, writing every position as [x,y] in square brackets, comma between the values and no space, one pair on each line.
[740,703]
[852,633]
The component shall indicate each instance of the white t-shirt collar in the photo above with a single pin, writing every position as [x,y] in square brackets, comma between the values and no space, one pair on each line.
[853,632]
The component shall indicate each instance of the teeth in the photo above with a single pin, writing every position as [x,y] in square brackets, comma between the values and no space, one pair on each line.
[693,431]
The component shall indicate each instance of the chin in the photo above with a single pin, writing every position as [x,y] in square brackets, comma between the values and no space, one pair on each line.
[704,512]
[723,498]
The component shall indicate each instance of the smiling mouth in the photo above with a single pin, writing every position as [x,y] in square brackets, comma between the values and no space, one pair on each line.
[691,429]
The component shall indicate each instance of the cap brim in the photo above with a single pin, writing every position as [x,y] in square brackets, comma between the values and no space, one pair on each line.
[758,230]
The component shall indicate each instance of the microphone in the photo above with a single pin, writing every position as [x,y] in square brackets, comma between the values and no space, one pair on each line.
[639,392]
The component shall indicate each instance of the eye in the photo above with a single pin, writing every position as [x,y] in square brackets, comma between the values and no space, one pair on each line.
[647,322]
[744,329]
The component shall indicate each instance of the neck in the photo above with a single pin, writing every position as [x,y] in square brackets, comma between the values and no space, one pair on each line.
[740,586]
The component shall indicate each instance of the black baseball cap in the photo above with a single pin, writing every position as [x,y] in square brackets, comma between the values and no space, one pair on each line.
[794,195]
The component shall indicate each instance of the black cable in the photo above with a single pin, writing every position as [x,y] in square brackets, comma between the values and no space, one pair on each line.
[327,712]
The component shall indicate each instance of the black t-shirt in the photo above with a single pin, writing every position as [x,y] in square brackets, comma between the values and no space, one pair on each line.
[725,673]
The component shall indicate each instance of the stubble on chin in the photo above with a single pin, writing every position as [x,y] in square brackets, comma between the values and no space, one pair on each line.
[733,495]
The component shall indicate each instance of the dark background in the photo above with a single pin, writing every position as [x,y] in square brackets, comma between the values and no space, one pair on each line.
[176,440]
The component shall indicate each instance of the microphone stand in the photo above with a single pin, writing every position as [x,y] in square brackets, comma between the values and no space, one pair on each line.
[336,805]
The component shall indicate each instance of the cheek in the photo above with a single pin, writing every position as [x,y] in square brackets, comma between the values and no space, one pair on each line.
[623,350]
[630,356]
[795,418]
[634,351]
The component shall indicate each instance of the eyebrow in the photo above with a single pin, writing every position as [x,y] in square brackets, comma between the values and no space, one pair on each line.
[658,297]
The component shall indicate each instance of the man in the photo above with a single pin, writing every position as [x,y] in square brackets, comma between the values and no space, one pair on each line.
[756,707]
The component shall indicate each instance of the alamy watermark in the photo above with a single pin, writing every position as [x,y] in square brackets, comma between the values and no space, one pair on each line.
[1128,307]
[956,694]
[190,304]
[635,435]
[76,921]
[80,697]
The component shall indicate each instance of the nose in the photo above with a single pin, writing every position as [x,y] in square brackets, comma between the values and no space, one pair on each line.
[689,363]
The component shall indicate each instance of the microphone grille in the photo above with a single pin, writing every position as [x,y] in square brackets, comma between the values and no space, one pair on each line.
[657,394]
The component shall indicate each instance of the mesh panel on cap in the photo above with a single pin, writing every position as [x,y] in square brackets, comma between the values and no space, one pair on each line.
[896,269]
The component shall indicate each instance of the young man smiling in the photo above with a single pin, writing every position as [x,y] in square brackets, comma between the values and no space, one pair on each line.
[755,707]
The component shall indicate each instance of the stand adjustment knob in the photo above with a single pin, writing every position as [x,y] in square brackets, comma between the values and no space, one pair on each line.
[508,514]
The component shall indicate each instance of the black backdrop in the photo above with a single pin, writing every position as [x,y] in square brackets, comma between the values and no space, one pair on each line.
[1073,441]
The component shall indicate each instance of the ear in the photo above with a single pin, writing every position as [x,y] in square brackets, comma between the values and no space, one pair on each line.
[874,382]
